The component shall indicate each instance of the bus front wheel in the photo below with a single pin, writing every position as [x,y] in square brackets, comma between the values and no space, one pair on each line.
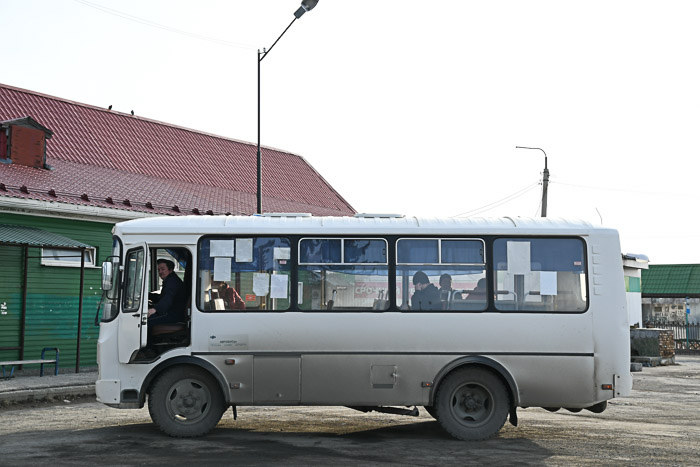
[186,402]
[472,404]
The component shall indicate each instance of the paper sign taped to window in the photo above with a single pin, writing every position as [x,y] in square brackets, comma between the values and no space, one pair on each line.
[548,282]
[261,283]
[518,257]
[278,286]
[282,253]
[244,250]
[222,269]
[221,248]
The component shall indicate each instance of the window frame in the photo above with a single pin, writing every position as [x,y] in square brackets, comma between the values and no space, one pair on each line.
[391,242]
[439,240]
[125,276]
[492,271]
[292,272]
[342,251]
[401,265]
[297,265]
[51,261]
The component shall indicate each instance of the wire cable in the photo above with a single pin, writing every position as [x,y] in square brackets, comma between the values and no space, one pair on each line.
[153,24]
[495,204]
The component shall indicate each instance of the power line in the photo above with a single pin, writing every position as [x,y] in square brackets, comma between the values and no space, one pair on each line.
[495,204]
[145,22]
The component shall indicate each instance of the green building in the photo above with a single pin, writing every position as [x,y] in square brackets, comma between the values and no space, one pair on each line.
[669,291]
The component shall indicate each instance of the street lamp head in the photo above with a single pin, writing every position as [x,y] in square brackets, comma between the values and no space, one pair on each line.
[306,5]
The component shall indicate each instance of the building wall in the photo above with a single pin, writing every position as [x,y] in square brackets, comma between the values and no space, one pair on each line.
[633,287]
[634,309]
[52,293]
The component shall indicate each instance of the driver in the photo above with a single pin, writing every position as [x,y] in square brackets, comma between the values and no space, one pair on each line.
[172,305]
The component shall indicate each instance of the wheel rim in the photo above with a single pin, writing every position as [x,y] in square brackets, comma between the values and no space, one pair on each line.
[471,404]
[188,401]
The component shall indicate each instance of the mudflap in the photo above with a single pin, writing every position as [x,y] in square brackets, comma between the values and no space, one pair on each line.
[513,416]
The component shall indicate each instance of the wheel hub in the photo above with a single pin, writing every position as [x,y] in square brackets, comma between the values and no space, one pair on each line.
[472,402]
[188,400]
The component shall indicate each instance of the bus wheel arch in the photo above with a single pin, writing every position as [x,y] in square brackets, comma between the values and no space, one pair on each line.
[185,401]
[475,362]
[472,398]
[183,360]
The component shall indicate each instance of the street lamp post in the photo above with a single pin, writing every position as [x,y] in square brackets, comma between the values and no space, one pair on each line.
[545,179]
[306,5]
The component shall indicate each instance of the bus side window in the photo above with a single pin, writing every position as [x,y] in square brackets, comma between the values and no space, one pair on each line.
[338,274]
[457,266]
[244,274]
[540,274]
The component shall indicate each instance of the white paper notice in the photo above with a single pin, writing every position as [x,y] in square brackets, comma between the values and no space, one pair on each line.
[548,283]
[222,269]
[518,257]
[278,286]
[261,284]
[221,248]
[282,253]
[244,250]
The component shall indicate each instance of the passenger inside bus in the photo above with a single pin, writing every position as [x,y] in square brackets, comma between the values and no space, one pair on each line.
[445,290]
[445,286]
[232,300]
[479,292]
[426,296]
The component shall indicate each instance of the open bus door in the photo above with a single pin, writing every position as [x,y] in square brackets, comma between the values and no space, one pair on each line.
[133,319]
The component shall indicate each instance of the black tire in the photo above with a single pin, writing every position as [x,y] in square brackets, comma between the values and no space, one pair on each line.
[186,401]
[431,410]
[472,404]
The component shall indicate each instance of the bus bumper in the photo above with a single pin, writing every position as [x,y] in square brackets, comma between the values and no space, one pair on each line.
[107,392]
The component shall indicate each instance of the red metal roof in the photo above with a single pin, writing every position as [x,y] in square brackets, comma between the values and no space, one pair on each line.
[106,154]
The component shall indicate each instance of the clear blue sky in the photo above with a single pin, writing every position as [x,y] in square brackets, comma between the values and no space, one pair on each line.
[410,106]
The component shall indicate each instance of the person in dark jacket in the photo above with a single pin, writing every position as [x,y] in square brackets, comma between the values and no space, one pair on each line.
[427,296]
[172,305]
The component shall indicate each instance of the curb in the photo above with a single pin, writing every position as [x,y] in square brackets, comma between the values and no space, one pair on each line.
[30,395]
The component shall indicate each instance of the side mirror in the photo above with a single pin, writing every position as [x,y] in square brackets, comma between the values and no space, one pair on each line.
[107,275]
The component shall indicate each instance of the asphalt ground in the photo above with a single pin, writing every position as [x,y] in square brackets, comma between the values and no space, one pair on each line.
[44,421]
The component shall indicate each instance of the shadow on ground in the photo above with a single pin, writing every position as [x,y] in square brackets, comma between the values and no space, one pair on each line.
[420,443]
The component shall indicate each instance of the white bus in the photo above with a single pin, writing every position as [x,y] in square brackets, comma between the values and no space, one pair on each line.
[535,317]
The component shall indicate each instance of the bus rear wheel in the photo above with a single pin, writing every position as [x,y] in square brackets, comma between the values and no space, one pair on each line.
[472,404]
[186,401]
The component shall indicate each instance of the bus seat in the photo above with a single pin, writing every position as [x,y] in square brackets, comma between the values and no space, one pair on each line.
[160,329]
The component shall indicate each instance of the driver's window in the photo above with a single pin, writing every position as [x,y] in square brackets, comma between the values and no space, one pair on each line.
[133,280]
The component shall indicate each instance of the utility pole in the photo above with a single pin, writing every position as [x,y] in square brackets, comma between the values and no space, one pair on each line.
[545,179]
[545,182]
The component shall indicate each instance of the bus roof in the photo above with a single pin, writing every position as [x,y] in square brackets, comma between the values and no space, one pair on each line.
[391,225]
